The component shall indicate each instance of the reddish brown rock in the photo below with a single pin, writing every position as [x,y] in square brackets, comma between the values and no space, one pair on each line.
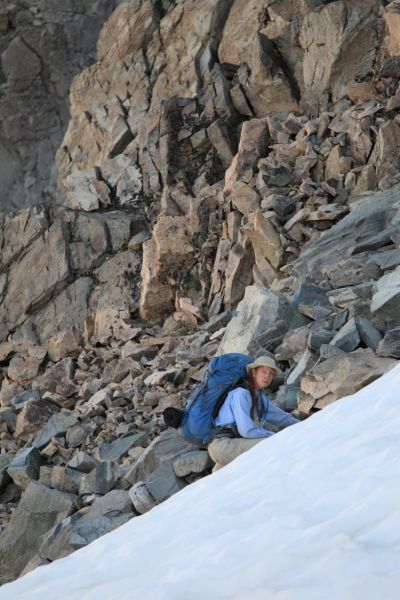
[339,43]
[165,258]
[392,20]
[386,153]
[253,145]
[24,368]
[361,92]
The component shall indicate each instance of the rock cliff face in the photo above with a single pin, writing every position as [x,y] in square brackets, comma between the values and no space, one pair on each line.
[43,44]
[228,181]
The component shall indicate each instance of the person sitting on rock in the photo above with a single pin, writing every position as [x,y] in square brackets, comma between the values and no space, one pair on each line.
[241,420]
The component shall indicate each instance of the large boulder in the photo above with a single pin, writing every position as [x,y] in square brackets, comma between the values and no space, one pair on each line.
[339,43]
[40,272]
[74,532]
[66,311]
[259,309]
[341,375]
[164,449]
[253,145]
[115,296]
[40,509]
[366,228]
[167,257]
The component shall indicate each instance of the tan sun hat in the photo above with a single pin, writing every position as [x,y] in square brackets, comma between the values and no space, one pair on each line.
[264,361]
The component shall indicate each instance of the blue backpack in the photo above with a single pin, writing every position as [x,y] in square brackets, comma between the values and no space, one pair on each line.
[196,422]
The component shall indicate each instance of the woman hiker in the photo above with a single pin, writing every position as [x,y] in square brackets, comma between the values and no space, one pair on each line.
[240,423]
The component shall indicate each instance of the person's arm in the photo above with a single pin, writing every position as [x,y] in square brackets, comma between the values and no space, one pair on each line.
[277,416]
[241,406]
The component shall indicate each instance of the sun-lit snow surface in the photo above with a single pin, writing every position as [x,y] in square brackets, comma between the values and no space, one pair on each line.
[311,514]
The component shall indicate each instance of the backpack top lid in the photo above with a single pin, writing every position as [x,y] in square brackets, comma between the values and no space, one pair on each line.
[222,374]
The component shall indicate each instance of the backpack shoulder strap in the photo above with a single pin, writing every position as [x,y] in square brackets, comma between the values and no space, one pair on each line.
[242,383]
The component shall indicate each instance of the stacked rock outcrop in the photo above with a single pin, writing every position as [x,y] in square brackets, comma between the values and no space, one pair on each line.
[229,181]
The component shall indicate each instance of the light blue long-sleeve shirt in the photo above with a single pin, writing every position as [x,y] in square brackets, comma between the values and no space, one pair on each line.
[236,410]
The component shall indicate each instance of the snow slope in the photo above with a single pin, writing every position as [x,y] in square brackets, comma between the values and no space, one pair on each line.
[310,514]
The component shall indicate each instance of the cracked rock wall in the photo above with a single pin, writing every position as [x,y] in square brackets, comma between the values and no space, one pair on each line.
[43,44]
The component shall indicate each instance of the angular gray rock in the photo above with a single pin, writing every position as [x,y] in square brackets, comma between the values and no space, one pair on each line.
[119,448]
[305,364]
[34,414]
[19,400]
[287,397]
[57,425]
[8,418]
[294,342]
[259,309]
[40,509]
[197,461]
[347,338]
[386,298]
[82,462]
[5,460]
[317,338]
[162,483]
[268,339]
[83,527]
[342,375]
[101,479]
[311,300]
[390,344]
[368,218]
[369,334]
[347,296]
[164,449]
[65,479]
[25,467]
[141,498]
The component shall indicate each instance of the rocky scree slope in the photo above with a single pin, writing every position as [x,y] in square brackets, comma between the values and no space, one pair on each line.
[228,182]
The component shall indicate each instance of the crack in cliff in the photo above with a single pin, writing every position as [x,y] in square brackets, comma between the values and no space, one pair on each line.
[219,17]
[44,77]
[273,53]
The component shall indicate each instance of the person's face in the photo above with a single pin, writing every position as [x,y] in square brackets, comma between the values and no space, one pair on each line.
[263,377]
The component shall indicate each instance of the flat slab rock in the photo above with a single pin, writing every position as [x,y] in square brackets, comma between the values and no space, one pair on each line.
[368,217]
[104,515]
[39,509]
[344,374]
[120,447]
